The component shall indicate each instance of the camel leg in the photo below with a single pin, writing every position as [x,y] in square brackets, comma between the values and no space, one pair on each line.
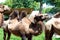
[23,37]
[4,34]
[49,34]
[30,37]
[9,34]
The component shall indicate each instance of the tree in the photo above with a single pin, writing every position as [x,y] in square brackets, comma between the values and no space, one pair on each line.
[22,4]
[41,3]
[55,3]
[8,2]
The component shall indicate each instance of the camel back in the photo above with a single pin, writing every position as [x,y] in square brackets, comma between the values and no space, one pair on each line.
[57,15]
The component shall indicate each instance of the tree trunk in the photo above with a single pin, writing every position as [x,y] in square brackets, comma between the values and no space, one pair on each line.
[40,11]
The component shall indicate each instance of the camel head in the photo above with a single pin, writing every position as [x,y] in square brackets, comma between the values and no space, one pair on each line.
[4,8]
[38,23]
[40,17]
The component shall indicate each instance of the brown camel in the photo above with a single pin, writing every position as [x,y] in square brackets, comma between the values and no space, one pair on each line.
[3,8]
[25,28]
[14,16]
[52,26]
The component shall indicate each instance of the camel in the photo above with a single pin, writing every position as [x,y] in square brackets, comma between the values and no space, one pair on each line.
[25,28]
[14,15]
[3,8]
[52,26]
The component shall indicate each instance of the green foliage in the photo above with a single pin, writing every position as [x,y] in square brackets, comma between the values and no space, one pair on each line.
[55,3]
[47,10]
[22,4]
[44,10]
[8,2]
[35,4]
[55,10]
[38,0]
[51,10]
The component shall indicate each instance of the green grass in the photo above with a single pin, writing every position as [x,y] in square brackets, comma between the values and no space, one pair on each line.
[13,37]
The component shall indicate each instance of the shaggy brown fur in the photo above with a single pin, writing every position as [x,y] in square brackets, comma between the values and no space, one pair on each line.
[25,28]
[14,16]
[1,19]
[4,8]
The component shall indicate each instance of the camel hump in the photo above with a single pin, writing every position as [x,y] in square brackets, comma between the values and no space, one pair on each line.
[57,15]
[26,20]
